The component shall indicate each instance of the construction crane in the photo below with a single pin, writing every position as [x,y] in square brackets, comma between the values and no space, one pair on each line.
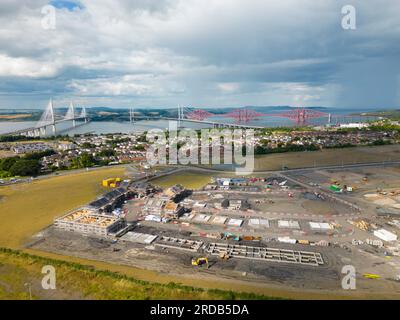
[200,261]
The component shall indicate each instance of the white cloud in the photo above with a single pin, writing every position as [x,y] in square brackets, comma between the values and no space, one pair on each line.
[25,67]
[215,52]
[228,87]
[112,87]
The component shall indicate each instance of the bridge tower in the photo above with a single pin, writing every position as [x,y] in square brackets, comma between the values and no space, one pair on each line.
[131,115]
[180,116]
[83,114]
[70,115]
[48,118]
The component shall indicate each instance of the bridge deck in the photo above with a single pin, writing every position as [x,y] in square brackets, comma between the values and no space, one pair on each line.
[30,129]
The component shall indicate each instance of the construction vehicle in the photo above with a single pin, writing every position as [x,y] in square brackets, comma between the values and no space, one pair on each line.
[229,235]
[112,182]
[371,276]
[200,261]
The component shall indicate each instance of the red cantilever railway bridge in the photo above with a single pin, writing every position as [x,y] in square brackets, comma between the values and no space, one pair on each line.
[244,115]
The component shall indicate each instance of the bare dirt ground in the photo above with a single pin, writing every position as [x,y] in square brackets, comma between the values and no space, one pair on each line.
[309,281]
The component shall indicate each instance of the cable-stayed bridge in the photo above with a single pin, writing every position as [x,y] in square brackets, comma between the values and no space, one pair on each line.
[50,119]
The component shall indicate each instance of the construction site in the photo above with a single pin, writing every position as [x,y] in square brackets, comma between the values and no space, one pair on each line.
[296,228]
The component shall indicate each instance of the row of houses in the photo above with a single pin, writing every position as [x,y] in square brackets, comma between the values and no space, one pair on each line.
[323,138]
[22,148]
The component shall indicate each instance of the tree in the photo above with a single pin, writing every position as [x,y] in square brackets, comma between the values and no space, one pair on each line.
[88,145]
[85,160]
[25,168]
[39,155]
[140,147]
[107,153]
[7,163]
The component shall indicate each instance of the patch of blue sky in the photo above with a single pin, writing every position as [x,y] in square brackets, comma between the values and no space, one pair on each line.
[66,4]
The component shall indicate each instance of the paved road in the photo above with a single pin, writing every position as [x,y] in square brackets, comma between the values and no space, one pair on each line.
[178,168]
[307,169]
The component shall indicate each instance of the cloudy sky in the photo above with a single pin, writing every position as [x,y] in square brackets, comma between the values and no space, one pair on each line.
[204,53]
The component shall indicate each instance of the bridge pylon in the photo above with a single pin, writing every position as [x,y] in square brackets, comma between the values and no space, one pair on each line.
[83,114]
[131,115]
[70,115]
[180,116]
[48,118]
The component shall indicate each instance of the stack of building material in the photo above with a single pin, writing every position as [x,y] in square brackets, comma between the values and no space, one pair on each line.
[362,224]
[385,235]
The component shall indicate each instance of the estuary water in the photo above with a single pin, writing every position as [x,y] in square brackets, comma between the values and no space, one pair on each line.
[338,115]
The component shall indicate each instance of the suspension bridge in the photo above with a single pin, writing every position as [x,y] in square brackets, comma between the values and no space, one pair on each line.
[50,120]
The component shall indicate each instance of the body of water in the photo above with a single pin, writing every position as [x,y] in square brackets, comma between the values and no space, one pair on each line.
[338,115]
[98,127]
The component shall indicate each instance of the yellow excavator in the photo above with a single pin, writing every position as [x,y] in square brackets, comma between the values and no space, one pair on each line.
[200,261]
[371,276]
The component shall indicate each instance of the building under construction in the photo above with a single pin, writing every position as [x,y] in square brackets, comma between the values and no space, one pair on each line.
[111,200]
[88,221]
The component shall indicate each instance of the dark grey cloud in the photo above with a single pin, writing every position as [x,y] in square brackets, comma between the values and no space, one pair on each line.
[217,52]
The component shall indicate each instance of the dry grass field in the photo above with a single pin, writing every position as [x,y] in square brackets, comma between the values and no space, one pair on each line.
[327,157]
[190,180]
[15,116]
[27,208]
[76,281]
[6,153]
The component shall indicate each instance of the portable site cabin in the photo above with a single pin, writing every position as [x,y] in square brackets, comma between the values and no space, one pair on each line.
[335,188]
[385,235]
